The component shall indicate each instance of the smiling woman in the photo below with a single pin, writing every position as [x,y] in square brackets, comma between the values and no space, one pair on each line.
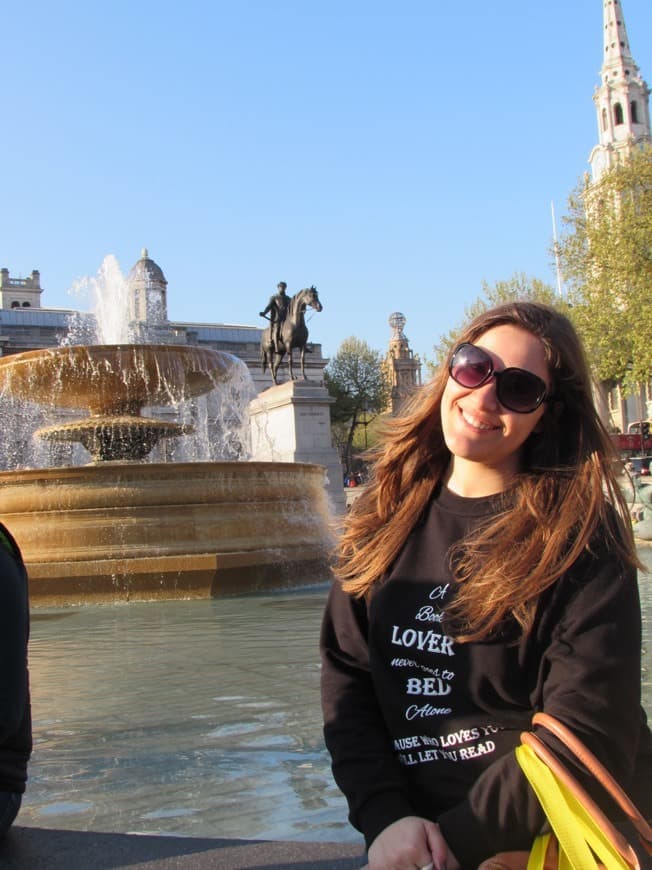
[491,543]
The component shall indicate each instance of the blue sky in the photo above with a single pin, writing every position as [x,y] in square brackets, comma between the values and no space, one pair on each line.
[394,154]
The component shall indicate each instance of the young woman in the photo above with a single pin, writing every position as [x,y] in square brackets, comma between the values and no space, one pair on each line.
[486,573]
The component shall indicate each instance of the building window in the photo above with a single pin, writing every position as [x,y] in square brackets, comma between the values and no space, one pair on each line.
[604,119]
[15,304]
[633,108]
[618,114]
[26,305]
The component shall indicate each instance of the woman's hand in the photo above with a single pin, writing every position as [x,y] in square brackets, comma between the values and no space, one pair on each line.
[411,843]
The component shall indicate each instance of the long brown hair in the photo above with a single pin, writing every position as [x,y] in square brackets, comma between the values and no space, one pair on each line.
[565,491]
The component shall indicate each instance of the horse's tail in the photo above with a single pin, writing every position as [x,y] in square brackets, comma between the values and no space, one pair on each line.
[263,350]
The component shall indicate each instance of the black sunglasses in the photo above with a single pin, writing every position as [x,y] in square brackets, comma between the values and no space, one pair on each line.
[517,389]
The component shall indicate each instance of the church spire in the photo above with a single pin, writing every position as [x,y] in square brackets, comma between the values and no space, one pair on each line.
[622,98]
[617,58]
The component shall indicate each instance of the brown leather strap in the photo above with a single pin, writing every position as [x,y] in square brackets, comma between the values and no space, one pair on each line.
[568,780]
[597,769]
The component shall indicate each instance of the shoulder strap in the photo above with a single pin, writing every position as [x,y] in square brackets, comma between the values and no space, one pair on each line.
[599,771]
[579,824]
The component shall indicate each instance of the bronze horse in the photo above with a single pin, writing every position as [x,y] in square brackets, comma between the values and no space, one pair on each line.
[294,333]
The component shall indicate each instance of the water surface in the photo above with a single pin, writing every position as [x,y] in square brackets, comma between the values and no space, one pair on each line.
[183,717]
[198,718]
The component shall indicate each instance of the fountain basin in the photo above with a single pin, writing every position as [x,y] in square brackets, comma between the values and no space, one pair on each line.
[113,379]
[121,531]
[115,438]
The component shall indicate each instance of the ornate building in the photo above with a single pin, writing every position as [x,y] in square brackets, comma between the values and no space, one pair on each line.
[149,299]
[20,292]
[623,114]
[403,368]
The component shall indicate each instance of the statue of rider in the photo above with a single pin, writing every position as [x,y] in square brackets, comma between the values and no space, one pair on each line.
[277,307]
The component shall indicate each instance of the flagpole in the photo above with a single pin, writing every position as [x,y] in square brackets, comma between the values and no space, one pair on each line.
[560,290]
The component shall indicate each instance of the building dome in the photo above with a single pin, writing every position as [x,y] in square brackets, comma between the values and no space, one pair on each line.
[148,291]
[146,271]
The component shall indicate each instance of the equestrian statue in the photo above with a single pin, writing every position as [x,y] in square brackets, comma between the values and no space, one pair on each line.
[287,328]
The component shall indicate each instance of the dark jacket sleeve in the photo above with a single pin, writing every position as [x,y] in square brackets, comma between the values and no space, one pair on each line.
[588,677]
[363,763]
[14,630]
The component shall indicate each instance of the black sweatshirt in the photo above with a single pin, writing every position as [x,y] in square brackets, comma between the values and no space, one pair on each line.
[15,717]
[417,724]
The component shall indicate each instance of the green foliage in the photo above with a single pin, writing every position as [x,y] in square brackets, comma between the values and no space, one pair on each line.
[518,287]
[366,432]
[355,378]
[606,258]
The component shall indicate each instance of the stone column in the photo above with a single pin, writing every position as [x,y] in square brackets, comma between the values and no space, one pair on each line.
[290,422]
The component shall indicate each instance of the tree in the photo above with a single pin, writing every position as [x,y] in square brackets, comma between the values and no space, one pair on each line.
[518,287]
[355,379]
[606,257]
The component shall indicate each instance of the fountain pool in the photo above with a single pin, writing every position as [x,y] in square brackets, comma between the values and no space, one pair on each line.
[199,718]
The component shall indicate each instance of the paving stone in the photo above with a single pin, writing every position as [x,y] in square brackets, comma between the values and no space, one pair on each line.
[46,849]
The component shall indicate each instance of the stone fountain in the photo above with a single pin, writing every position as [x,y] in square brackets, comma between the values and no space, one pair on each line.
[125,528]
[114,382]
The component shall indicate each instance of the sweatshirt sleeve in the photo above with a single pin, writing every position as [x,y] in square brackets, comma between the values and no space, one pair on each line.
[14,628]
[363,763]
[589,629]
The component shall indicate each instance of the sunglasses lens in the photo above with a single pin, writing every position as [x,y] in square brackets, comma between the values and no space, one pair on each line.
[520,391]
[470,366]
[517,390]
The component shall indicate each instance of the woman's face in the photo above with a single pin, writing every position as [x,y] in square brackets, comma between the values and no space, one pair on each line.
[484,437]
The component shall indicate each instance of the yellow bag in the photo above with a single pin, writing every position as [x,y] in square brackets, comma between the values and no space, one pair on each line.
[586,838]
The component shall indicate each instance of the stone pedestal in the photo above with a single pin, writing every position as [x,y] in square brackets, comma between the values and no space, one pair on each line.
[290,422]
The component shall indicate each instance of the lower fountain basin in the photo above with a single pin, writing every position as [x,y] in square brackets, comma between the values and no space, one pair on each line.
[119,531]
[115,438]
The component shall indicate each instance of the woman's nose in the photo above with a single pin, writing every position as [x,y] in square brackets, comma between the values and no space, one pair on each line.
[487,396]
